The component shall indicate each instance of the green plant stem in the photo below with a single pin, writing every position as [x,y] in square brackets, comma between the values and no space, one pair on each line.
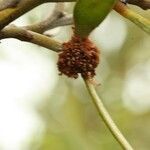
[139,20]
[31,37]
[106,117]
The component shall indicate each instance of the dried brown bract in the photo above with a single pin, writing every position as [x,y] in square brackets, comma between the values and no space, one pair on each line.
[79,56]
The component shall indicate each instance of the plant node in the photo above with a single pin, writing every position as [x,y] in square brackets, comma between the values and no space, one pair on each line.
[79,56]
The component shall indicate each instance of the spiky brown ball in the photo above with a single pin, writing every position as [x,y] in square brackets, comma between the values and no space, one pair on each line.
[79,56]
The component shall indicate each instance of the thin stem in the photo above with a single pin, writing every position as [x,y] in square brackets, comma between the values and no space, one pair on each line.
[139,20]
[31,37]
[106,117]
[45,24]
[144,4]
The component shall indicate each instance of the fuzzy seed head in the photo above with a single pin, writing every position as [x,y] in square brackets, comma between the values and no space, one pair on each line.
[79,56]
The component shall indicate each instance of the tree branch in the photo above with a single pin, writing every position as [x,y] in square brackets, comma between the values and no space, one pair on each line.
[26,33]
[144,4]
[140,21]
[30,36]
[8,4]
[107,118]
[64,21]
[45,25]
[9,14]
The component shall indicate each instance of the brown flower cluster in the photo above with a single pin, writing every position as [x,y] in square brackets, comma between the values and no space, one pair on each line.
[79,56]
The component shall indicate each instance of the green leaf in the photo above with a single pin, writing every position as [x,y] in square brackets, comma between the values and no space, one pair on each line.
[88,14]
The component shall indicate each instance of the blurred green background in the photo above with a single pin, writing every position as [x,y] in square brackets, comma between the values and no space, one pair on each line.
[40,110]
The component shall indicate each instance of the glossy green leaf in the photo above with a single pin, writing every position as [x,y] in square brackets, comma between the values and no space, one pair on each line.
[88,14]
